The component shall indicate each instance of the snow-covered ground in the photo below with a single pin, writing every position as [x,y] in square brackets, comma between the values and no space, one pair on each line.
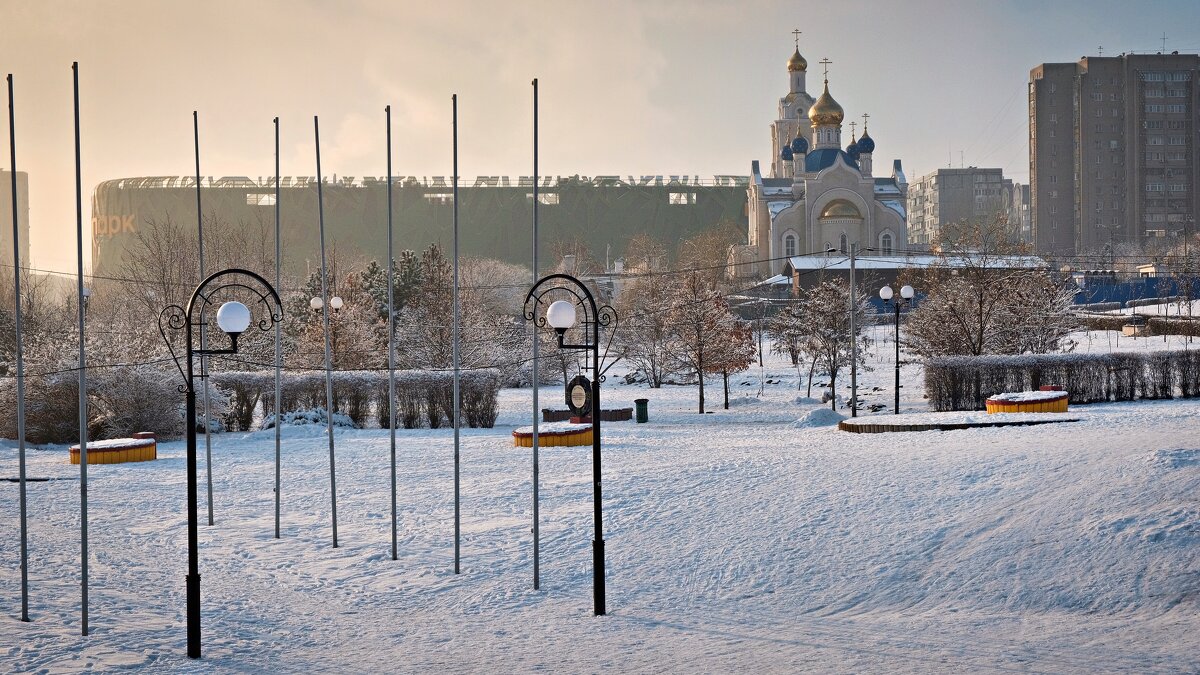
[737,541]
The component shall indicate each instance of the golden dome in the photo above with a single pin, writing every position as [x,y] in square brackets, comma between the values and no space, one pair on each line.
[826,110]
[840,208]
[797,62]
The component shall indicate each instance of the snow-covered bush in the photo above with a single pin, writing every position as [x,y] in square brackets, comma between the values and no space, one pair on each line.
[124,401]
[121,402]
[965,382]
[312,416]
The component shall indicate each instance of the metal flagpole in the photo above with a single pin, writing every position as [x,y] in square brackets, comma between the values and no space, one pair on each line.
[83,433]
[278,336]
[12,146]
[537,572]
[203,331]
[391,308]
[328,348]
[454,338]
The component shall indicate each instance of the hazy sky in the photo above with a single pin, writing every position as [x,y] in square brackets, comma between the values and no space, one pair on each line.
[644,87]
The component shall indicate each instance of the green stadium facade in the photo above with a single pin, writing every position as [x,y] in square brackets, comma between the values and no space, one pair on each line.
[495,212]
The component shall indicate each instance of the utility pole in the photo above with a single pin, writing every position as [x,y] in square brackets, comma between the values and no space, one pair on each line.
[853,338]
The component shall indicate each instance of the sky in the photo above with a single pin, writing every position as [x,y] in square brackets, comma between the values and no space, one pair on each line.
[625,87]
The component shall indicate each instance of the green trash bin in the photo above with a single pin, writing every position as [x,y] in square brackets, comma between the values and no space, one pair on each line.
[643,415]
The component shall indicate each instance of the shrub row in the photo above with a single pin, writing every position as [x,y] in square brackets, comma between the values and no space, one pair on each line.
[965,382]
[1157,325]
[423,398]
[121,401]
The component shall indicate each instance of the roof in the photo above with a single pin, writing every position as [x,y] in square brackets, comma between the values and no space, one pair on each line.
[824,158]
[895,205]
[871,261]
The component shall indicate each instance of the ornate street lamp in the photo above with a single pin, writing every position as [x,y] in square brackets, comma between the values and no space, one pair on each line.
[562,315]
[233,318]
[906,296]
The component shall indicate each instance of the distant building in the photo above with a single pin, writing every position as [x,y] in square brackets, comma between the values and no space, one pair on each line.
[953,196]
[817,195]
[6,216]
[1112,151]
[495,212]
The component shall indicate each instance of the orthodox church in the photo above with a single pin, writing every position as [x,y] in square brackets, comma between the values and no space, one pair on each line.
[818,195]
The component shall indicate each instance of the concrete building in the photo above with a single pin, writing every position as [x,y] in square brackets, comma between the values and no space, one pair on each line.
[6,216]
[952,196]
[817,195]
[1112,151]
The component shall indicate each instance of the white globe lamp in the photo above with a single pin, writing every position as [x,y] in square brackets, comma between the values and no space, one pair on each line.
[233,318]
[560,315]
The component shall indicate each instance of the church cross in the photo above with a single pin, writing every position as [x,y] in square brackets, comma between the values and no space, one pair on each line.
[865,116]
[796,33]
[853,127]
[826,62]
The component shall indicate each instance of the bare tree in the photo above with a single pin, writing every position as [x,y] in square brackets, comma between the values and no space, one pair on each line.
[703,329]
[822,317]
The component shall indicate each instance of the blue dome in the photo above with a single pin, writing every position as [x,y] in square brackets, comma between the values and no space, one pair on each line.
[799,145]
[866,144]
[786,154]
[852,150]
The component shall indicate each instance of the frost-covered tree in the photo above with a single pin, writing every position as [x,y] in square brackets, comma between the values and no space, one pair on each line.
[703,328]
[822,315]
[985,295]
[646,334]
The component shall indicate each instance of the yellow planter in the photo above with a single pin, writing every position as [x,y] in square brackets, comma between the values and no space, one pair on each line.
[1058,405]
[110,452]
[552,438]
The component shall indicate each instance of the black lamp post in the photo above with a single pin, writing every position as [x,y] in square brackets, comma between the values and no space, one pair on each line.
[561,315]
[233,318]
[906,296]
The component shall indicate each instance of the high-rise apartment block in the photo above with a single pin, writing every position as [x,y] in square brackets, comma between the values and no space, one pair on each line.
[1112,151]
[949,197]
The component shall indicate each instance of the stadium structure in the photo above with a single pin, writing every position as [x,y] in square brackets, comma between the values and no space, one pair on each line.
[495,212]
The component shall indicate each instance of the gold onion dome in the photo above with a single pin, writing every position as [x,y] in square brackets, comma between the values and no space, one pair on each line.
[826,110]
[840,208]
[797,62]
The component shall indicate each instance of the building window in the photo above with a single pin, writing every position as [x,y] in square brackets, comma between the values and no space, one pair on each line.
[260,199]
[789,245]
[843,243]
[1154,108]
[885,243]
[1112,145]
[1176,108]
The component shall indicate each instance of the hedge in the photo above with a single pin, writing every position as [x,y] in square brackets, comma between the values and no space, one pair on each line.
[423,398]
[965,382]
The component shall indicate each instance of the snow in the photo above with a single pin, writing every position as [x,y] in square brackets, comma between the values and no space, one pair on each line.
[819,417]
[117,443]
[555,428]
[1028,396]
[735,541]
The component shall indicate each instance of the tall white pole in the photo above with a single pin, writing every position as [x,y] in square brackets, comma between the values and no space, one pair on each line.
[278,339]
[537,572]
[83,414]
[203,328]
[391,309]
[454,338]
[12,145]
[328,347]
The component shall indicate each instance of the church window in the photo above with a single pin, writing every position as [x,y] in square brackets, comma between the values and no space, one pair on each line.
[885,243]
[789,245]
[843,246]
